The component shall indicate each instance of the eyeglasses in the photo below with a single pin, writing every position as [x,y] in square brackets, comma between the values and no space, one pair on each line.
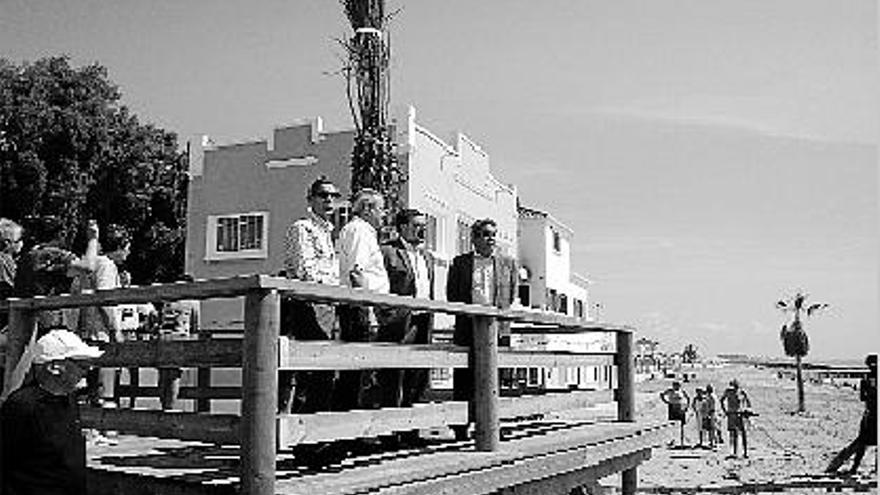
[487,233]
[327,194]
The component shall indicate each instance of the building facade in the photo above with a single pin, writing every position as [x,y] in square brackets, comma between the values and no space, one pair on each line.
[546,279]
[242,197]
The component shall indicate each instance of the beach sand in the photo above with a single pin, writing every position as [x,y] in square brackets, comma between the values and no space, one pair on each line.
[784,447]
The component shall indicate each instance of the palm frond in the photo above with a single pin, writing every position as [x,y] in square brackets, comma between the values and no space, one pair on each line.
[816,307]
[782,305]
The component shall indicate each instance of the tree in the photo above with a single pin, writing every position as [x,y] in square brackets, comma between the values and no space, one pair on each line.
[373,162]
[795,342]
[70,151]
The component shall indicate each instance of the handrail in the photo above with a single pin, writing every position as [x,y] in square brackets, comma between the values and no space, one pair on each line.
[260,356]
[238,286]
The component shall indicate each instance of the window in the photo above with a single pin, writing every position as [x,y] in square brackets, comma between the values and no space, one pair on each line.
[524,295]
[563,304]
[557,242]
[237,236]
[552,300]
[578,308]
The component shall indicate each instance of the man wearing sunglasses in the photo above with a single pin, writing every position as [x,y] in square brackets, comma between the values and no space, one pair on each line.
[482,276]
[309,256]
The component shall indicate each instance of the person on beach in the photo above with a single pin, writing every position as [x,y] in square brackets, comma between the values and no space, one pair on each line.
[698,405]
[735,403]
[178,320]
[868,425]
[711,425]
[42,448]
[677,402]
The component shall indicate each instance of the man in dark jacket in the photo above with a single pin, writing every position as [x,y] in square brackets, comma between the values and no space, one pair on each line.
[410,273]
[482,276]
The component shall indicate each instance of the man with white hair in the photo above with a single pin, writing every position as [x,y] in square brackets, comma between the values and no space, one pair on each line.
[43,448]
[361,265]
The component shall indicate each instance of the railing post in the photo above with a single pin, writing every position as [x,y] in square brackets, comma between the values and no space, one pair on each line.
[485,367]
[203,381]
[259,389]
[22,323]
[626,398]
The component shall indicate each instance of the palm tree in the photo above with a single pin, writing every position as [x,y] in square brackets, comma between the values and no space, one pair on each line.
[373,162]
[795,342]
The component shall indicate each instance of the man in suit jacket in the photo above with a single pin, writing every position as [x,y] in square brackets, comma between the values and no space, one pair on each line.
[411,273]
[480,277]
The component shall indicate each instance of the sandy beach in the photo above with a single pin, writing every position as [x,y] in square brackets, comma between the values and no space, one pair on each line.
[784,448]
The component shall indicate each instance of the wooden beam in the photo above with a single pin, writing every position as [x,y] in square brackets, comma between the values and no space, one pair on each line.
[565,482]
[217,393]
[327,426]
[336,355]
[200,289]
[219,428]
[237,286]
[180,353]
[259,381]
[463,472]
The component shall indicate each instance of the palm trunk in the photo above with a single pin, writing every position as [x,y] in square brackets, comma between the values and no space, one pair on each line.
[800,384]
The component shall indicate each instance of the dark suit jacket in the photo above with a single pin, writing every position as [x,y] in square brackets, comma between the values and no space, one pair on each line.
[459,287]
[402,280]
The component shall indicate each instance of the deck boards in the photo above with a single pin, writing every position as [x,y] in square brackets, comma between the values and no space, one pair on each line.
[529,451]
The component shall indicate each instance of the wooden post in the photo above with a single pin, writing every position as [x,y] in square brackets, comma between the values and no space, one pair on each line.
[626,399]
[485,367]
[22,323]
[203,382]
[259,389]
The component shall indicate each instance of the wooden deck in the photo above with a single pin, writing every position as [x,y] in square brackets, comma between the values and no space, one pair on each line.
[526,444]
[573,453]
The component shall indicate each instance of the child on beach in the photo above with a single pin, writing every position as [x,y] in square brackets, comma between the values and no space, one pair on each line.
[677,401]
[711,425]
[698,405]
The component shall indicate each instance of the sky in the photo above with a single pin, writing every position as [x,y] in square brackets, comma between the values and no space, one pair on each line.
[711,157]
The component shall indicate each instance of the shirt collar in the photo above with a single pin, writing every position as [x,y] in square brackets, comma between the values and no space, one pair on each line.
[326,224]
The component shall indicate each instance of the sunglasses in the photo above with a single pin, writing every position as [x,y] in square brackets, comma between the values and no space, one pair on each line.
[327,194]
[487,233]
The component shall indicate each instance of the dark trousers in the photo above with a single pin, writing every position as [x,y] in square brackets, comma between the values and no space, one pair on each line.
[353,387]
[303,391]
[403,388]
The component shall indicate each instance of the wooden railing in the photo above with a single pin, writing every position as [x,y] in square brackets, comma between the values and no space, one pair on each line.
[261,353]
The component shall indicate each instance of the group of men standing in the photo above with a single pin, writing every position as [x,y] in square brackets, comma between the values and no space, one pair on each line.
[402,266]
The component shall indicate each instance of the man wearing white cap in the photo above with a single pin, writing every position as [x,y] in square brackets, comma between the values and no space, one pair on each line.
[43,448]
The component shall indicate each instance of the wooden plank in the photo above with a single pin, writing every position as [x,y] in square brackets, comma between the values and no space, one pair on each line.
[236,286]
[328,293]
[565,482]
[180,353]
[337,355]
[224,393]
[326,426]
[200,289]
[436,472]
[536,469]
[219,428]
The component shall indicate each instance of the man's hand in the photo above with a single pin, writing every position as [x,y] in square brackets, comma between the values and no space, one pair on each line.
[356,276]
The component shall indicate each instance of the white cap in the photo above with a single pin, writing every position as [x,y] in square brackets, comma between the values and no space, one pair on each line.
[63,344]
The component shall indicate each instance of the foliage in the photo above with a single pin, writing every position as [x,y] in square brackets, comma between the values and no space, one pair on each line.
[70,151]
[374,159]
[795,341]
